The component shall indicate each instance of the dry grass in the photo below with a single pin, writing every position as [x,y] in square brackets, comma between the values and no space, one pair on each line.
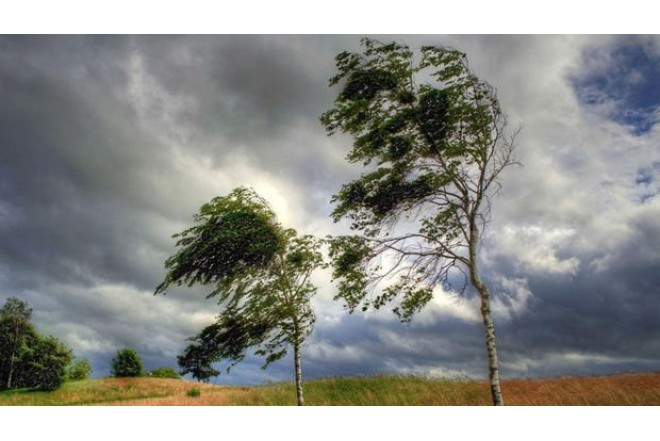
[615,390]
[620,390]
[120,391]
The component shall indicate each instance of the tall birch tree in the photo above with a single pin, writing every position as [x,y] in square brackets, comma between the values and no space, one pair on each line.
[431,138]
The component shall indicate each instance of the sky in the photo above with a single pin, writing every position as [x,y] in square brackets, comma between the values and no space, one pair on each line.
[110,144]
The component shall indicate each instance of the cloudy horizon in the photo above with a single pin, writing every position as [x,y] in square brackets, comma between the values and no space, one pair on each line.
[110,144]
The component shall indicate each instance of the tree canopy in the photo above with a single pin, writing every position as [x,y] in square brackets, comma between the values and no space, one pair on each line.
[27,358]
[197,360]
[80,369]
[260,273]
[126,363]
[430,136]
[234,236]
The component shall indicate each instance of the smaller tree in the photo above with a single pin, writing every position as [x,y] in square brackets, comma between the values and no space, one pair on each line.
[81,369]
[261,275]
[164,372]
[127,363]
[196,360]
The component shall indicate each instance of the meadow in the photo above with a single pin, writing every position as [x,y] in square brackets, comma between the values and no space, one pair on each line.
[384,390]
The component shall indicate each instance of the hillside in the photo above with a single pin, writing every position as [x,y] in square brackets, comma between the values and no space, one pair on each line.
[625,390]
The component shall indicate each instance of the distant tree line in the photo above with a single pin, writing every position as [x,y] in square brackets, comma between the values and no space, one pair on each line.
[30,360]
[127,363]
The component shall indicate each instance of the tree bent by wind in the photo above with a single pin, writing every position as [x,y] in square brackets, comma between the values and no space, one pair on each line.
[261,277]
[432,153]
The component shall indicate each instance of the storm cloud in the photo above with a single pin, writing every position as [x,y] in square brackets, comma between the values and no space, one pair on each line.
[109,145]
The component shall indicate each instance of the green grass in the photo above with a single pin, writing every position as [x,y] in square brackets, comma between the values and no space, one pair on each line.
[83,393]
[381,390]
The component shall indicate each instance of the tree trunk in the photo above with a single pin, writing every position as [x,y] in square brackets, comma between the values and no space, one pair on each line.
[11,372]
[491,347]
[13,354]
[489,326]
[299,387]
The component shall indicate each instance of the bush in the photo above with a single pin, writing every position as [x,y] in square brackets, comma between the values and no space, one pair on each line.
[126,363]
[164,372]
[44,365]
[81,369]
[194,392]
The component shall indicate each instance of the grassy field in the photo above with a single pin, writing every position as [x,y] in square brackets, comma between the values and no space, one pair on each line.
[622,390]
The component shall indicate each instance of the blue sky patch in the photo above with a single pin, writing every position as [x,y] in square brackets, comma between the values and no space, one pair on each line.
[645,180]
[622,81]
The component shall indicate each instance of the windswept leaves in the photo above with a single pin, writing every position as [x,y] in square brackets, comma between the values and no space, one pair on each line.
[233,236]
[350,255]
[428,133]
[259,273]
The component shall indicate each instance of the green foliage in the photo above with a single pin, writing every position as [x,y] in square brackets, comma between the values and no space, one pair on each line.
[430,136]
[164,372]
[260,272]
[27,359]
[44,367]
[16,310]
[194,392]
[126,363]
[234,236]
[267,310]
[79,370]
[16,333]
[196,360]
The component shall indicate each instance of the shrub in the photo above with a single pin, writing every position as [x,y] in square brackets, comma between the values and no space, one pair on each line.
[81,369]
[194,392]
[44,365]
[164,372]
[126,363]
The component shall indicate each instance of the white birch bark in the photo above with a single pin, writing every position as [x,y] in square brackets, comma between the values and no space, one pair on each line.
[489,326]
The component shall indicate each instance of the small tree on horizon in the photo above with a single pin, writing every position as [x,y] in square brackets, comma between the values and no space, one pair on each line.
[126,363]
[197,359]
[80,369]
[164,372]
[431,138]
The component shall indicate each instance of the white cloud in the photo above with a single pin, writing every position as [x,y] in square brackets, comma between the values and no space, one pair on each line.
[535,248]
[570,361]
[446,305]
[344,354]
[512,298]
